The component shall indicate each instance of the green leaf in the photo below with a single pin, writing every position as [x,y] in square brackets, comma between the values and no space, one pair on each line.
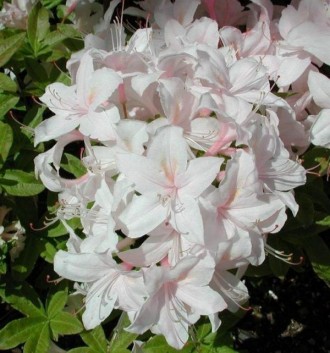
[305,215]
[39,341]
[36,71]
[64,323]
[83,350]
[57,229]
[7,102]
[68,31]
[6,141]
[159,344]
[7,84]
[49,4]
[314,153]
[55,37]
[95,339]
[228,321]
[324,165]
[315,191]
[222,349]
[24,264]
[322,271]
[49,252]
[27,212]
[22,297]
[19,183]
[9,45]
[203,330]
[18,331]
[324,222]
[220,341]
[121,338]
[319,255]
[73,165]
[38,26]
[57,303]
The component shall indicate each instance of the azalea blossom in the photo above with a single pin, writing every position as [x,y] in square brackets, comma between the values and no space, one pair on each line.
[169,186]
[177,298]
[192,131]
[83,104]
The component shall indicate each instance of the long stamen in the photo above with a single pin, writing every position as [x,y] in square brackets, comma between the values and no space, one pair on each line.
[27,128]
[231,292]
[281,255]
[55,281]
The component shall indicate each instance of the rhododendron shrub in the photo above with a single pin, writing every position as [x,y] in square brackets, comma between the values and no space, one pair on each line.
[178,156]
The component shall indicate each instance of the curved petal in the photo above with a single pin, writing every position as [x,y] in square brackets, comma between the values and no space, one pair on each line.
[142,215]
[202,299]
[54,127]
[82,267]
[320,132]
[153,250]
[99,304]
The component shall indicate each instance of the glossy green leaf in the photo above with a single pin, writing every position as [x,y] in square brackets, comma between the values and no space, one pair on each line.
[57,303]
[18,331]
[324,222]
[319,255]
[22,297]
[57,229]
[95,339]
[305,215]
[49,252]
[56,37]
[20,183]
[6,141]
[9,45]
[73,165]
[49,4]
[65,323]
[7,84]
[83,350]
[7,102]
[68,31]
[36,71]
[24,264]
[221,341]
[312,157]
[323,272]
[122,339]
[159,344]
[38,26]
[39,341]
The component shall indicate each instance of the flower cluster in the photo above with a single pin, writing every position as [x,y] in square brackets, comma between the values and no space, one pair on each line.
[192,131]
[15,14]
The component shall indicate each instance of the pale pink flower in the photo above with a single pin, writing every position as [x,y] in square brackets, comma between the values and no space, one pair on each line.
[319,86]
[177,297]
[305,30]
[109,285]
[82,105]
[15,14]
[169,186]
